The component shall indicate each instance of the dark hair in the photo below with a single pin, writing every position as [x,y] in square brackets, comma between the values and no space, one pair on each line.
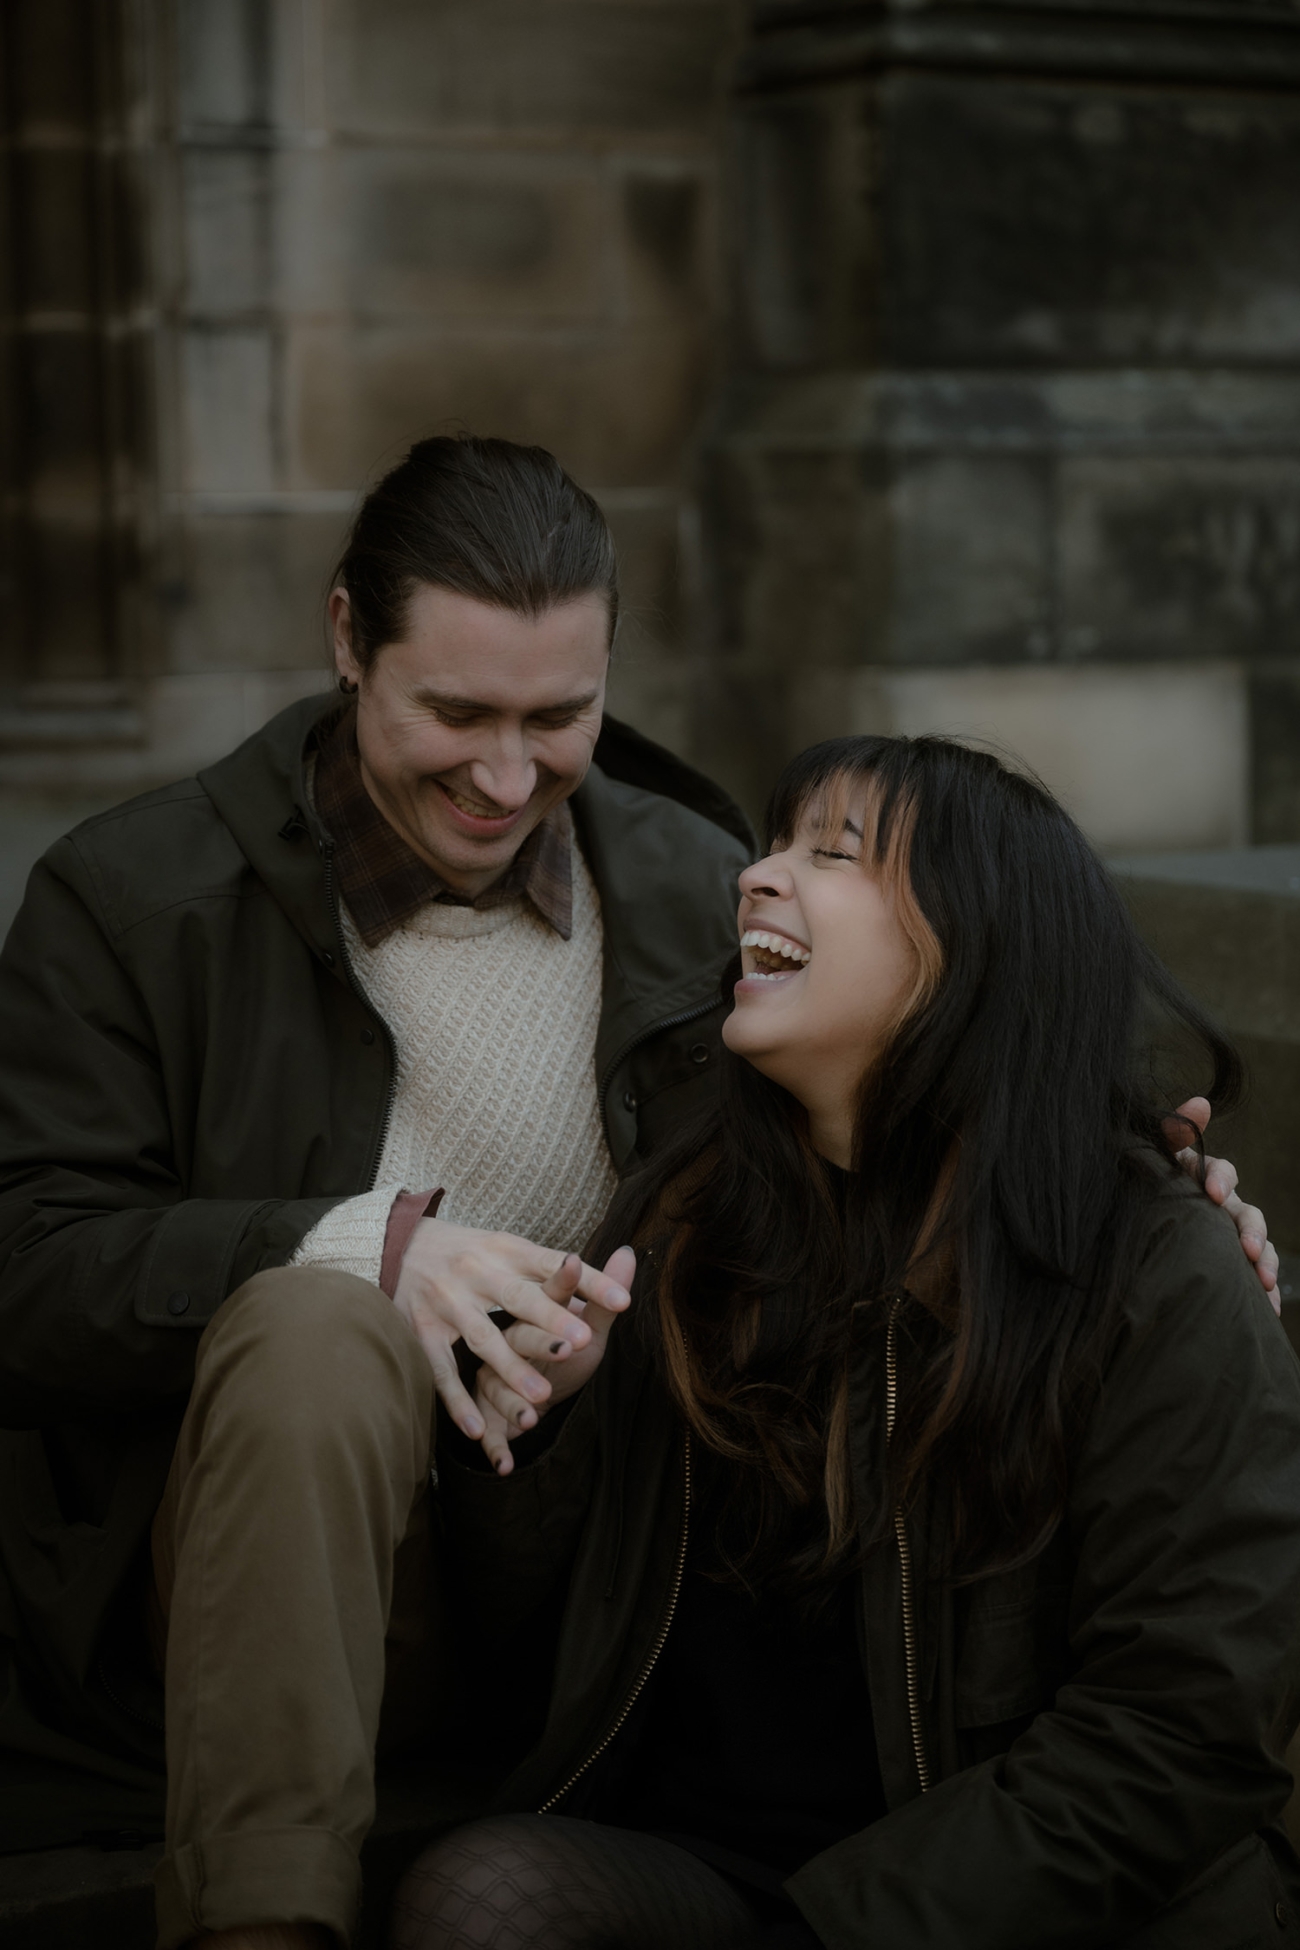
[486,518]
[1009,1138]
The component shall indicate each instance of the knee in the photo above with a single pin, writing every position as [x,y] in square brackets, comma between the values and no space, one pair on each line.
[305,1344]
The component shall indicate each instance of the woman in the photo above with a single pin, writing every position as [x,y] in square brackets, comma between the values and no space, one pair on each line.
[918,1566]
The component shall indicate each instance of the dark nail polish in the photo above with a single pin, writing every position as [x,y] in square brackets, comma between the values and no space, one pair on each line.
[556,1346]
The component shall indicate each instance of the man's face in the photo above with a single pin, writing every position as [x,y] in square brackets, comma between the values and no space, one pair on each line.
[476,723]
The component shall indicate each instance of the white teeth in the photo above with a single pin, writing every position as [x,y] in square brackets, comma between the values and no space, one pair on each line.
[776,944]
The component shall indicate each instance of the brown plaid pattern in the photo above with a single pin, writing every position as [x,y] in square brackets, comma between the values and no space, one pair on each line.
[384,881]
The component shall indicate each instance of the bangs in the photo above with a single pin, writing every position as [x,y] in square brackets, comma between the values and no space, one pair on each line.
[866,780]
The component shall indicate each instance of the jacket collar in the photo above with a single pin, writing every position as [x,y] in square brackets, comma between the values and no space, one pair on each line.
[667,900]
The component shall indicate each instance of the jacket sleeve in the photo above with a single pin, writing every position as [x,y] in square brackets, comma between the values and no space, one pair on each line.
[1159,1752]
[106,1267]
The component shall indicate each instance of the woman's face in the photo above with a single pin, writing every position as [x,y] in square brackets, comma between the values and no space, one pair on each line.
[828,969]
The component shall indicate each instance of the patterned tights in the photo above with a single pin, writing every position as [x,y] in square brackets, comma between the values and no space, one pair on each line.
[546,1882]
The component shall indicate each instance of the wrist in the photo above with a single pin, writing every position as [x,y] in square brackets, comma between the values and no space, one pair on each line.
[408,1209]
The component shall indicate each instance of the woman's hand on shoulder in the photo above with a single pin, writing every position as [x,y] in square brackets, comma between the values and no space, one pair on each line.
[507,1414]
[1220,1184]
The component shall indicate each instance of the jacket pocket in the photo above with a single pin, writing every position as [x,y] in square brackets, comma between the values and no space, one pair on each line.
[1241,1902]
[1012,1652]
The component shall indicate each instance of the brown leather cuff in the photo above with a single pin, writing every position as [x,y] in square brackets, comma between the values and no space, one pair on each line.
[408,1210]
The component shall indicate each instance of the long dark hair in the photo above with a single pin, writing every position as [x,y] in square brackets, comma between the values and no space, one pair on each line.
[1007,1142]
[487,518]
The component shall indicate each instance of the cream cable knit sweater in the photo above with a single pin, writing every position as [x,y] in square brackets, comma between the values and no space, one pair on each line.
[494,1017]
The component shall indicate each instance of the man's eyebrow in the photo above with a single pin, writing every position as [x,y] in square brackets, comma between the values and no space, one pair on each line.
[447,701]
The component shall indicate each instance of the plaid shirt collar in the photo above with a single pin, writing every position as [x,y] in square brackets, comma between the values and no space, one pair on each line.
[385,882]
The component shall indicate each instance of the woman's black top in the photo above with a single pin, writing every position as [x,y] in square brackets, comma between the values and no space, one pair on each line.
[755,1747]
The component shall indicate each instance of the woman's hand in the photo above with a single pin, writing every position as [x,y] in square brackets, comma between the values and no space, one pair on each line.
[505,1412]
[454,1278]
[1221,1186]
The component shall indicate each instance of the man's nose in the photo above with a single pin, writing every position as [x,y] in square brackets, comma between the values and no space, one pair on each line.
[507,776]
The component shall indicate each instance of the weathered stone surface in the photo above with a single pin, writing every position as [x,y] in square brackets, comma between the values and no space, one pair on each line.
[1075,223]
[406,65]
[446,238]
[1162,557]
[250,590]
[228,242]
[229,422]
[1275,741]
[1229,929]
[616,408]
[1019,363]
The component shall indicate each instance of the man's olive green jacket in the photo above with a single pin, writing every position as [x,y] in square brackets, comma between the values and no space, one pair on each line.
[189,1079]
[1064,1747]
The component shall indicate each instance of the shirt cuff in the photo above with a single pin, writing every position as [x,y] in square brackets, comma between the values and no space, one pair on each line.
[408,1209]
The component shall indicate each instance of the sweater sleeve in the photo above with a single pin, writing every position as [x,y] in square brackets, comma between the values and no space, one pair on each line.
[350,1237]
[1161,1750]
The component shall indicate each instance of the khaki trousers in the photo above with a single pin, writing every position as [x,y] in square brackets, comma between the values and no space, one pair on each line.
[294,1597]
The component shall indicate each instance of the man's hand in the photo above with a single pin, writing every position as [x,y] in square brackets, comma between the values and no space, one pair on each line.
[505,1412]
[1221,1186]
[453,1277]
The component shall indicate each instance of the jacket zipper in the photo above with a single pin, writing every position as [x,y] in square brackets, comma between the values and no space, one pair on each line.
[655,1650]
[910,1663]
[634,1042]
[346,962]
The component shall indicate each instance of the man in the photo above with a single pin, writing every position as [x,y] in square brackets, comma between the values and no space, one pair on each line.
[453,935]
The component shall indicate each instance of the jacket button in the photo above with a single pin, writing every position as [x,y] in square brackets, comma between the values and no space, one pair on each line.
[699,1053]
[178,1303]
[1280,1912]
[367,1035]
[629,1100]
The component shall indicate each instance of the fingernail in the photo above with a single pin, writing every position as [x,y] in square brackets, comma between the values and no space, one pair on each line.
[556,1346]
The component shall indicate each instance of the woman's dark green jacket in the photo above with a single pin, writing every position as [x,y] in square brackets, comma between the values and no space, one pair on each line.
[1099,1730]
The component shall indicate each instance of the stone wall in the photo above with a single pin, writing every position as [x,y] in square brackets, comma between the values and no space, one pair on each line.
[1012,443]
[361,221]
[938,365]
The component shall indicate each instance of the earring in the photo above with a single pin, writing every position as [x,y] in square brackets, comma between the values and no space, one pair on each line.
[347,687]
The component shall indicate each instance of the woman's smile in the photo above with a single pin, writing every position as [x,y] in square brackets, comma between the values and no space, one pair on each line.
[772,956]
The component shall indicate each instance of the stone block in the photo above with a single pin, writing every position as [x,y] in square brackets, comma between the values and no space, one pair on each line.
[654,689]
[50,61]
[972,559]
[1275,752]
[1082,222]
[1142,756]
[308,232]
[324,441]
[251,591]
[223,62]
[1228,926]
[522,237]
[666,225]
[974,218]
[227,381]
[1158,555]
[227,220]
[616,406]
[406,66]
[646,528]
[54,229]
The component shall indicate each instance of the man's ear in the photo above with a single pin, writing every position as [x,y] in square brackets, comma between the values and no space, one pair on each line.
[340,613]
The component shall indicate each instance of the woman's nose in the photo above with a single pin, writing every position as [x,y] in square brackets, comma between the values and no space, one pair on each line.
[765,877]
